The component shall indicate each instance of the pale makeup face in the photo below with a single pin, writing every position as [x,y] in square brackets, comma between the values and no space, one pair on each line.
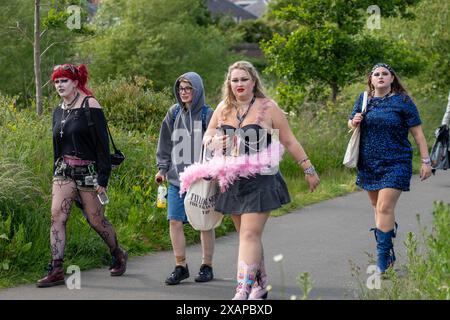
[382,78]
[186,92]
[241,84]
[65,87]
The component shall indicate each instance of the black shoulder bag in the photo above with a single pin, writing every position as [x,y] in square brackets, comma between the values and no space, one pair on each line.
[439,155]
[117,157]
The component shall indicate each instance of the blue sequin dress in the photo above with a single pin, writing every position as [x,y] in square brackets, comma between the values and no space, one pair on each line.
[385,154]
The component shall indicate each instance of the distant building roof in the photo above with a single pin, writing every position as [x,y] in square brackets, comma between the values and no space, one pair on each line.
[258,8]
[249,50]
[225,7]
[243,3]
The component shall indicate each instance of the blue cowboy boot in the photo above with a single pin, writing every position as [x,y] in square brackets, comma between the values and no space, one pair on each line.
[385,248]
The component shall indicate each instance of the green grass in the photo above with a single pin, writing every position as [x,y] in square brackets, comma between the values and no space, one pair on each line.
[332,184]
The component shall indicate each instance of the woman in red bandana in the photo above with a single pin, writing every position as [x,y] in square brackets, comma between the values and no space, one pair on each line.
[82,167]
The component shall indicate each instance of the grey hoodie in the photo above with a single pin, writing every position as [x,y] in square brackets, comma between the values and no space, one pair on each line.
[180,141]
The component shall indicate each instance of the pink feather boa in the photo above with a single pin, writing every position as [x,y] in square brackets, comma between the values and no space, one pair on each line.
[227,169]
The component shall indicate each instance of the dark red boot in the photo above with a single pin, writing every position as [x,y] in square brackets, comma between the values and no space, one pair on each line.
[119,264]
[55,275]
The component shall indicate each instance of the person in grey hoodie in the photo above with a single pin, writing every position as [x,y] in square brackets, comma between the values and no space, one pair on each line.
[180,145]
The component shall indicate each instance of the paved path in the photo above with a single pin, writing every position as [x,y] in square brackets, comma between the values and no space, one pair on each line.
[319,239]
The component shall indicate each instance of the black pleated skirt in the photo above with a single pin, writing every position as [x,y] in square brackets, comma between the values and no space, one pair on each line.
[261,193]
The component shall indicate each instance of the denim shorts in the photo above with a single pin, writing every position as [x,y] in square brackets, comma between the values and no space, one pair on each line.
[175,205]
[78,186]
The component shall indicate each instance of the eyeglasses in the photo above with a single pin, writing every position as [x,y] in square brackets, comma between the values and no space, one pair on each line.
[185,89]
[65,67]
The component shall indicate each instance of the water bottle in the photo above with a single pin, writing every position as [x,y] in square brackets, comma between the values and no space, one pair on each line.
[161,201]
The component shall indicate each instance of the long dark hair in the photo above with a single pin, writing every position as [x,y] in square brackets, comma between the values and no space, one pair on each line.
[397,86]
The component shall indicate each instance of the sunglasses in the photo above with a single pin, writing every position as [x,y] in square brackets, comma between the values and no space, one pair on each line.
[65,67]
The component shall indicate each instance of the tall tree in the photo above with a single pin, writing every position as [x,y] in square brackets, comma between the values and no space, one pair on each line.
[37,55]
[326,44]
[51,41]
[158,39]
[429,33]
[16,55]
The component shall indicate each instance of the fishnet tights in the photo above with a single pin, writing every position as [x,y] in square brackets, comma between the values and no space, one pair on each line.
[63,195]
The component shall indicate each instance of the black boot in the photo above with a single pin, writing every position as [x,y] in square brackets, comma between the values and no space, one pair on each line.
[119,262]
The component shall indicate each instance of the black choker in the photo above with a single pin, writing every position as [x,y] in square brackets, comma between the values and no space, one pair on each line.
[70,105]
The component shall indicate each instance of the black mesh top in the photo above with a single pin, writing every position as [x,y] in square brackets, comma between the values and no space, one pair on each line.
[71,137]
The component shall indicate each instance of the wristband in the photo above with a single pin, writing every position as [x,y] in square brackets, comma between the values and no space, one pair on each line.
[310,170]
[299,162]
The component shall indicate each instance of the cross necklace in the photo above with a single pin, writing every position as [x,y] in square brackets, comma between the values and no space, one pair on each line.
[65,107]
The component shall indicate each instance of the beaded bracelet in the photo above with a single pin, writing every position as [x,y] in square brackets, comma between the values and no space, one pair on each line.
[299,162]
[310,170]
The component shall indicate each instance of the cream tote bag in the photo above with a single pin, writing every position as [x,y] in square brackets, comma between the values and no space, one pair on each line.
[200,202]
[352,152]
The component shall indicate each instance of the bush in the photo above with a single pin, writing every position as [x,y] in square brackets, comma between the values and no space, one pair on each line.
[132,104]
[14,245]
[16,182]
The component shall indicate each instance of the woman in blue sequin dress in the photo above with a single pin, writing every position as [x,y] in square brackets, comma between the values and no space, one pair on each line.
[385,156]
